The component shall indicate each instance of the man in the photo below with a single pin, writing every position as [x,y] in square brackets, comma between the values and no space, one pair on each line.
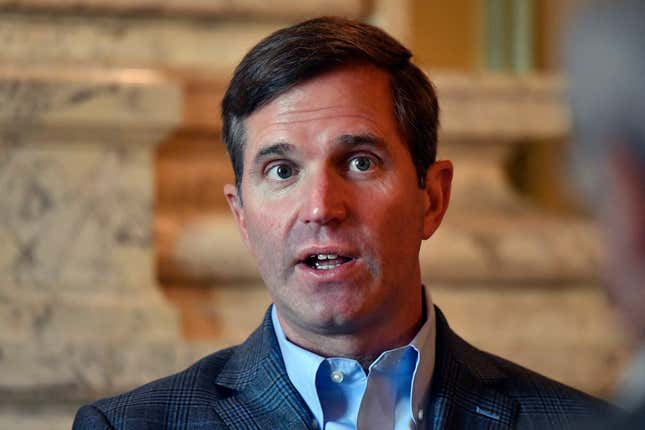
[606,65]
[332,135]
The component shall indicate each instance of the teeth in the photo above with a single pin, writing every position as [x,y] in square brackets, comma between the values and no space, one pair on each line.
[325,261]
[321,266]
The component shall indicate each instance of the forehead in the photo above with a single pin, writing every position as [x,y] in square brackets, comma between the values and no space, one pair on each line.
[352,99]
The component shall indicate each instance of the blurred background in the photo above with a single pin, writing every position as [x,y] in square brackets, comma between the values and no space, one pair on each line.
[120,263]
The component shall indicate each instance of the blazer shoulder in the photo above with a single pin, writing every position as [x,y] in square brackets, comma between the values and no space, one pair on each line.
[542,399]
[522,383]
[473,388]
[90,418]
[528,388]
[188,394]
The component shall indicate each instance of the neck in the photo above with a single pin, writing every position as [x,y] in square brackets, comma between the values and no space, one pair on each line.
[363,345]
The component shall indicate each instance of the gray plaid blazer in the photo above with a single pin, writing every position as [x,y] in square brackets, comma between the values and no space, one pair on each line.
[247,387]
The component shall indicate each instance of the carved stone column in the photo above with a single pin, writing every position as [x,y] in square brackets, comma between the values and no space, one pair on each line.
[81,315]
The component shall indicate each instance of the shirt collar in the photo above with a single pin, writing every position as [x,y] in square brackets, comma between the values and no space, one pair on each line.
[424,343]
[302,365]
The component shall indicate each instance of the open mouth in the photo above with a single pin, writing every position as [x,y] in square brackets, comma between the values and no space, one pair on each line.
[326,261]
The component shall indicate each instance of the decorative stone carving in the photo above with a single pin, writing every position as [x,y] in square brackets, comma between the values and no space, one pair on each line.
[200,8]
[176,34]
[76,181]
[501,108]
[131,41]
[80,312]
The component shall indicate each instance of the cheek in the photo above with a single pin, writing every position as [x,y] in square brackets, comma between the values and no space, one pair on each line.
[394,227]
[398,210]
[267,229]
[263,234]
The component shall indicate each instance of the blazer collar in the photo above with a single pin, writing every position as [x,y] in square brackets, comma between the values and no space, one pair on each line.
[464,391]
[262,396]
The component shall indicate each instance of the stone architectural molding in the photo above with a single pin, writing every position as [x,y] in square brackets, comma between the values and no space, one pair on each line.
[199,8]
[77,279]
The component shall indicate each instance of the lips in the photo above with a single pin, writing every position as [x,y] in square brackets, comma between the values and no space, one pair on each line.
[326,261]
[320,259]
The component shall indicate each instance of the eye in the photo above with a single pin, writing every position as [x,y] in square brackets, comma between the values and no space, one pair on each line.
[361,164]
[280,171]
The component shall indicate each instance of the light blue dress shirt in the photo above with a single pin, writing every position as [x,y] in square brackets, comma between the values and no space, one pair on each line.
[342,397]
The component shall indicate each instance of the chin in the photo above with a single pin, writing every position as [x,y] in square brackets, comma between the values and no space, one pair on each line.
[324,317]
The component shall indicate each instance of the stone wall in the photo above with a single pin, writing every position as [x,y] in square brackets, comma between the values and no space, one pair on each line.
[80,310]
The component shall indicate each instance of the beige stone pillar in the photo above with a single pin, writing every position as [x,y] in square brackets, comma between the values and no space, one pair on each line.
[80,312]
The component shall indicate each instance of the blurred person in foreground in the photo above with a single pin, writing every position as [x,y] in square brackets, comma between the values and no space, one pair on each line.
[605,59]
[332,135]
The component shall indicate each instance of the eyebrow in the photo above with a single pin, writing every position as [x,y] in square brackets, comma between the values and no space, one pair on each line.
[348,140]
[281,149]
[360,139]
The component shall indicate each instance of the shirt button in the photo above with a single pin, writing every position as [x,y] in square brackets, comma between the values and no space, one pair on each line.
[420,414]
[337,376]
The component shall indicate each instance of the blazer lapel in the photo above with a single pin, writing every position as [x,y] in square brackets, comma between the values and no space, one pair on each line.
[262,397]
[463,393]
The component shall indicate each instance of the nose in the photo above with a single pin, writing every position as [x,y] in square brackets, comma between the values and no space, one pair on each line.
[323,198]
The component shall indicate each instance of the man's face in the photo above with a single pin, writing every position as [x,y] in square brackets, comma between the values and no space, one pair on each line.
[332,210]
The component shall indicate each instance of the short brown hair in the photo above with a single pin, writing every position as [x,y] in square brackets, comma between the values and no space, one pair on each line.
[295,54]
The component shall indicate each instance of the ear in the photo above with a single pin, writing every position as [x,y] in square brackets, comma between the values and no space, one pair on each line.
[235,204]
[437,194]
